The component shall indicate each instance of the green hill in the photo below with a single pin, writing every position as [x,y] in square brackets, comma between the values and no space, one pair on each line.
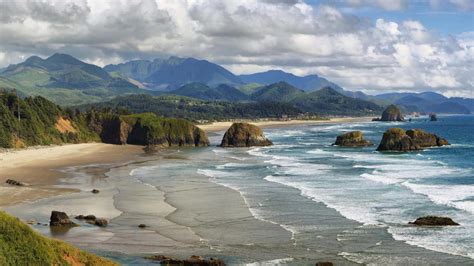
[277,92]
[194,109]
[329,101]
[220,93]
[37,121]
[64,79]
[20,245]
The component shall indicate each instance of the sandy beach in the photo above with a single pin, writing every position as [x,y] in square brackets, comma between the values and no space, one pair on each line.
[39,167]
[220,126]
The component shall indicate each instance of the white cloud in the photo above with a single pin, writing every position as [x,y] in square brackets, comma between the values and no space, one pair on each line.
[245,36]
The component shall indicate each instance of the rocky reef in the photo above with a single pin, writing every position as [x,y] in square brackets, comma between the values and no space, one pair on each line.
[193,260]
[352,139]
[397,139]
[391,113]
[150,130]
[434,221]
[244,135]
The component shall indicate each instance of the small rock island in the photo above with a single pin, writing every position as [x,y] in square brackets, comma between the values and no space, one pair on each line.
[397,139]
[352,139]
[244,135]
[391,114]
[434,221]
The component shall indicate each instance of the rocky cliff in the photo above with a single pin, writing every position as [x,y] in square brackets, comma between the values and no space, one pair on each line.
[352,139]
[150,130]
[397,139]
[244,135]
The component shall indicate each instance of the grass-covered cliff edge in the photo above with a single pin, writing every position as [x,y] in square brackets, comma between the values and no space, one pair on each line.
[37,121]
[20,245]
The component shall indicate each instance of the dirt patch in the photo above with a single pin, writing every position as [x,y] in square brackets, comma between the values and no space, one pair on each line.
[65,126]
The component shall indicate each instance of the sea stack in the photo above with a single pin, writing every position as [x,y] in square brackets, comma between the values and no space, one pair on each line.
[244,135]
[391,114]
[397,139]
[352,139]
[433,117]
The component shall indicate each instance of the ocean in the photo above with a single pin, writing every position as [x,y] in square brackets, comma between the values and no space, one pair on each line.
[385,190]
[299,201]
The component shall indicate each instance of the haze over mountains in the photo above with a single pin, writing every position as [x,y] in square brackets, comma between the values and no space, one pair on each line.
[69,81]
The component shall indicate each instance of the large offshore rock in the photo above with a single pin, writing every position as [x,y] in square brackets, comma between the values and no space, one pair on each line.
[397,139]
[352,139]
[244,135]
[391,113]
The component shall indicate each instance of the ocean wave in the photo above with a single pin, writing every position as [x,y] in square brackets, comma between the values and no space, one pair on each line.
[458,196]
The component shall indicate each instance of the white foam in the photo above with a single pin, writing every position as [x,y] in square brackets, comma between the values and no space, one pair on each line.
[458,196]
[271,262]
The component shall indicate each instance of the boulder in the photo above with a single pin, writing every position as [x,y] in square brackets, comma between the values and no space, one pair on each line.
[15,183]
[397,139]
[433,117]
[193,260]
[352,139]
[95,191]
[244,135]
[324,263]
[142,226]
[434,221]
[391,113]
[60,219]
[101,222]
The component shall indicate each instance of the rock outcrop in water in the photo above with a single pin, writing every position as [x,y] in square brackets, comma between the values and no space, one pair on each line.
[244,135]
[433,117]
[60,219]
[391,113]
[434,221]
[397,139]
[193,260]
[352,139]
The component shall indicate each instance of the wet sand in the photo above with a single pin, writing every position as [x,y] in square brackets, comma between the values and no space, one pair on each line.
[39,167]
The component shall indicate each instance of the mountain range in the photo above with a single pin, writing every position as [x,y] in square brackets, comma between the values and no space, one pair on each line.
[64,79]
[69,81]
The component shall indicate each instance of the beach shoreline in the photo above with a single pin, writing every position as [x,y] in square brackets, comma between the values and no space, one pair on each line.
[39,167]
[221,126]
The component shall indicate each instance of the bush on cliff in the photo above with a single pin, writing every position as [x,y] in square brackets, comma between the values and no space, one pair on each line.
[20,245]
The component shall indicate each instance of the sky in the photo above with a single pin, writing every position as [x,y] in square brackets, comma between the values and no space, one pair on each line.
[371,45]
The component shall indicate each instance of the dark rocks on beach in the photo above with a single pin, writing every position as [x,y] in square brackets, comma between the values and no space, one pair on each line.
[192,261]
[324,263]
[95,191]
[101,222]
[352,139]
[397,139]
[434,221]
[244,135]
[142,226]
[60,219]
[91,219]
[433,117]
[15,183]
[391,113]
